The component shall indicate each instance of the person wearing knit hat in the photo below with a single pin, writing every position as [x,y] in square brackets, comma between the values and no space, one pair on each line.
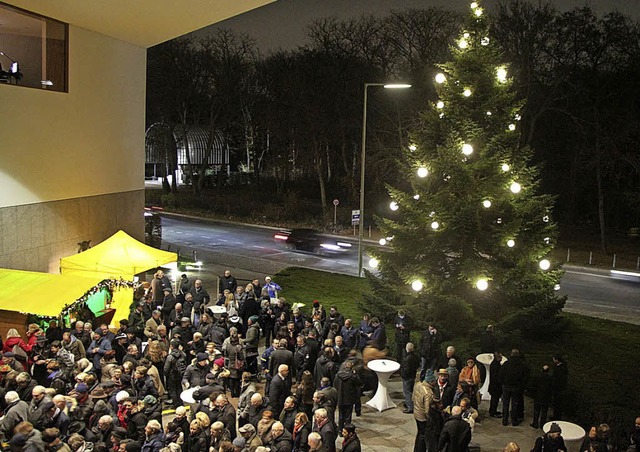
[423,398]
[551,441]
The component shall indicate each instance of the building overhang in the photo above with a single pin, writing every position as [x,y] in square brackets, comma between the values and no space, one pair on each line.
[144,23]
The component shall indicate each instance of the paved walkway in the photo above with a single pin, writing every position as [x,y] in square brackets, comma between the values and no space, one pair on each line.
[392,430]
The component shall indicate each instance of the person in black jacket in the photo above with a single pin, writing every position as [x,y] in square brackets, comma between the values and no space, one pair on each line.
[403,331]
[560,380]
[513,375]
[197,440]
[351,442]
[495,384]
[279,389]
[456,433]
[542,397]
[347,384]
[408,368]
[429,349]
[552,441]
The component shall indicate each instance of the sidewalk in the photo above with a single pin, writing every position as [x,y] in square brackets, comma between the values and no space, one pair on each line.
[392,430]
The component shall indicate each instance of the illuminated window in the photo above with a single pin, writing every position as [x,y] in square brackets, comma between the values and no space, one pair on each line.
[33,50]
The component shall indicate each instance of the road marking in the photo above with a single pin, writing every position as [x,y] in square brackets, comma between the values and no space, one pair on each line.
[588,274]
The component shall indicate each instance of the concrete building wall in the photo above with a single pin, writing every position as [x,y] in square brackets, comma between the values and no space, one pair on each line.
[72,164]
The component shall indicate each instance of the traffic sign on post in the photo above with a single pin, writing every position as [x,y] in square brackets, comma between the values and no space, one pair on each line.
[355,217]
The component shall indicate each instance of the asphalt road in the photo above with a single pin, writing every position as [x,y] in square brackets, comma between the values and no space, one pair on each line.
[251,251]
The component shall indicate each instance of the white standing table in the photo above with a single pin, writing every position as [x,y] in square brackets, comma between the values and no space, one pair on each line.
[383,368]
[486,359]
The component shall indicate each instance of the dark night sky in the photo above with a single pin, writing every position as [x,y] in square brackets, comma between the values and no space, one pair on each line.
[282,24]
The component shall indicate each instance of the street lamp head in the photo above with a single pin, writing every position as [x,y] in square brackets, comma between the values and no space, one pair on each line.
[396,86]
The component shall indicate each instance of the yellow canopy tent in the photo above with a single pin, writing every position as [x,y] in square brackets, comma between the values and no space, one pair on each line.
[45,294]
[119,256]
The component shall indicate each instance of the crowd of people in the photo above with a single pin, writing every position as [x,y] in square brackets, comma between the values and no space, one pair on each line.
[242,371]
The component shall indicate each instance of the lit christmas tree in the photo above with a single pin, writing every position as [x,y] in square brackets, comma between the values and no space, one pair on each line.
[468,237]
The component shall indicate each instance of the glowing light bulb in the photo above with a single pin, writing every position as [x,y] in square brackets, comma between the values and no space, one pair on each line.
[485,41]
[511,243]
[417,285]
[556,287]
[373,262]
[489,113]
[393,206]
[441,78]
[435,225]
[512,127]
[486,203]
[474,5]
[499,220]
[517,117]
[423,172]
[412,147]
[466,35]
[545,264]
[440,105]
[547,240]
[482,284]
[467,149]
[382,241]
[545,218]
[463,43]
[515,188]
[466,92]
[478,12]
[501,74]
[416,197]
[441,115]
[505,167]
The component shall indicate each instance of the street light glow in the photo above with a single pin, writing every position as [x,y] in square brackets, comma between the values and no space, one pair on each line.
[515,188]
[486,203]
[417,285]
[423,172]
[393,206]
[511,243]
[396,86]
[482,284]
[467,149]
[441,78]
[545,264]
[373,262]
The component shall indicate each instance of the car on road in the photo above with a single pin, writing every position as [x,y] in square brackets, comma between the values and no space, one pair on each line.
[311,241]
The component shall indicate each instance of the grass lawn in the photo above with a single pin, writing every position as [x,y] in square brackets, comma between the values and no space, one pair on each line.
[603,356]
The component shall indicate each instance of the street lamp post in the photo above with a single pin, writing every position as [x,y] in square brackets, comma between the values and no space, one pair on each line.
[362,163]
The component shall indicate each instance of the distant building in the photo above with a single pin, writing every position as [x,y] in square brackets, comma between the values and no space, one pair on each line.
[167,148]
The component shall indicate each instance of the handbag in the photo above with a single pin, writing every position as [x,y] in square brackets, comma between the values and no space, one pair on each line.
[19,353]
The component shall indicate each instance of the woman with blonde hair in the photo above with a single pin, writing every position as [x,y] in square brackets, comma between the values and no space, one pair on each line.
[512,447]
[301,430]
[16,344]
[203,419]
[156,355]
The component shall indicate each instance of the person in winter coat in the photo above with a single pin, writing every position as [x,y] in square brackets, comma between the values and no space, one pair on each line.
[143,384]
[74,346]
[174,366]
[351,442]
[513,374]
[456,433]
[154,439]
[495,385]
[551,441]
[542,397]
[301,430]
[347,384]
[16,411]
[408,368]
[33,438]
[198,438]
[136,421]
[281,440]
[195,374]
[289,413]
